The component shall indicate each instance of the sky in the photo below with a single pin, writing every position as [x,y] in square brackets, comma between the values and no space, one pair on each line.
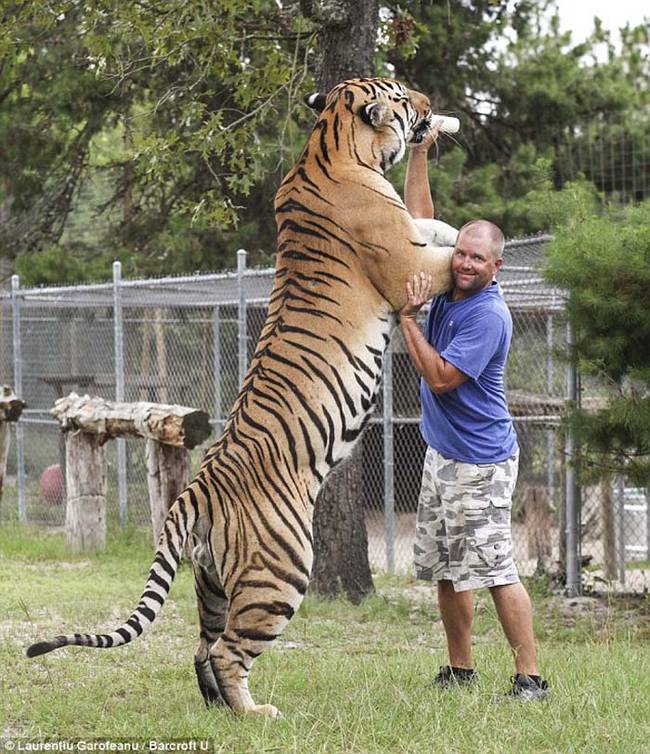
[577,16]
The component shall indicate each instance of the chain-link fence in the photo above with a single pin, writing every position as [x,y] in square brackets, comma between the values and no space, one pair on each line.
[188,340]
[613,155]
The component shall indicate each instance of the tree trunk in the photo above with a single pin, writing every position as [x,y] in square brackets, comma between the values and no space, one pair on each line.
[340,535]
[161,355]
[539,522]
[145,364]
[346,42]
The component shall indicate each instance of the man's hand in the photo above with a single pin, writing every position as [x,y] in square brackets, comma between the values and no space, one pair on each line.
[441,376]
[429,137]
[418,291]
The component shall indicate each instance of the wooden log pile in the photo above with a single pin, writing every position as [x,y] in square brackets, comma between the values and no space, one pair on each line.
[86,483]
[179,426]
[88,423]
[11,407]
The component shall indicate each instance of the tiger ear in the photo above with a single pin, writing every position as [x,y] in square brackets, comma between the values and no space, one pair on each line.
[316,101]
[376,114]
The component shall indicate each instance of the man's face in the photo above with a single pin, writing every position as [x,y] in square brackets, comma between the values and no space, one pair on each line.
[473,265]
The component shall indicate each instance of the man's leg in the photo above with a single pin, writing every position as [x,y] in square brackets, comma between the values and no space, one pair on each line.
[516,616]
[457,612]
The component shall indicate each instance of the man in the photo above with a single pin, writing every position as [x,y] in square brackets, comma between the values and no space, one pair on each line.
[463,534]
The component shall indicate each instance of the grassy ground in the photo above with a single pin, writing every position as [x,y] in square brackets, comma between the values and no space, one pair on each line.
[348,679]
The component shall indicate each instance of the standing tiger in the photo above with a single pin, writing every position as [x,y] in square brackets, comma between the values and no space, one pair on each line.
[346,245]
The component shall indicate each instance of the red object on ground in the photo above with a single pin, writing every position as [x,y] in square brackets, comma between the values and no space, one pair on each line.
[50,485]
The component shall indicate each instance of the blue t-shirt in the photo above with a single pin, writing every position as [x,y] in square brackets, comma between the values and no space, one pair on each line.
[470,423]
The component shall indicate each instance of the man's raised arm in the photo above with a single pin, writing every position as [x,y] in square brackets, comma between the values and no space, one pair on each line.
[417,193]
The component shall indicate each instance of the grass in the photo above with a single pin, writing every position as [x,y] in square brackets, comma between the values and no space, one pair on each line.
[348,679]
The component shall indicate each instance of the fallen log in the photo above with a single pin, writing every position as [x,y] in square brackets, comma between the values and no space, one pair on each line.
[180,426]
[11,407]
[88,423]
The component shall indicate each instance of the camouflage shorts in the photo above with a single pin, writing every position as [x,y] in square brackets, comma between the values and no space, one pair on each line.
[463,530]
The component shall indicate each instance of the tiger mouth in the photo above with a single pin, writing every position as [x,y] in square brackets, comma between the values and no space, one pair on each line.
[419,131]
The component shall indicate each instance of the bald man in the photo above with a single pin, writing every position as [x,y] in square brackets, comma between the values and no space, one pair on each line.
[463,532]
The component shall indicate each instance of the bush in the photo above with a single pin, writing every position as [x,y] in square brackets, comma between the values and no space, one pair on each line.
[604,262]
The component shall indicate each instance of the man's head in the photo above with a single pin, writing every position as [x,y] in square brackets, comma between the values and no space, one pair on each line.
[478,256]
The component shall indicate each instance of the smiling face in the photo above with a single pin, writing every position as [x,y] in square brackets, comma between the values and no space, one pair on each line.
[476,260]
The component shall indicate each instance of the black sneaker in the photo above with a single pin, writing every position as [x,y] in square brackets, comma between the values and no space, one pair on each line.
[448,677]
[529,688]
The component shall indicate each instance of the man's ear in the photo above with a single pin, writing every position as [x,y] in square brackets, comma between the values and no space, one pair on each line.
[376,114]
[316,101]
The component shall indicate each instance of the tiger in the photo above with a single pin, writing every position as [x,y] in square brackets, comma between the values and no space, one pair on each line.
[346,246]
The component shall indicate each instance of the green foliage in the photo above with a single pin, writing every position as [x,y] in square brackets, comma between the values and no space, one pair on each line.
[169,121]
[56,263]
[52,106]
[525,95]
[604,262]
[158,133]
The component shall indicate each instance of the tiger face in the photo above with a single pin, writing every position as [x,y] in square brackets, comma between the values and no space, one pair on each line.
[339,184]
[389,117]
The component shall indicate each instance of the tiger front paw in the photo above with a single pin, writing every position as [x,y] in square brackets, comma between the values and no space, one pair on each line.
[435,232]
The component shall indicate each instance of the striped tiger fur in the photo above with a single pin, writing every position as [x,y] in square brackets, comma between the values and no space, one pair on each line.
[346,245]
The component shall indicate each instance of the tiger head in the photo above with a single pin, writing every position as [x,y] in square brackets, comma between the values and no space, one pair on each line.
[383,115]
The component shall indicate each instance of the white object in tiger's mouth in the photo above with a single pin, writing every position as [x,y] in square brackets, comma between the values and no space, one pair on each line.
[448,125]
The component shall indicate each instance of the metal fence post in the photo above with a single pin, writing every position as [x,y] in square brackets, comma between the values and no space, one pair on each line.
[18,389]
[550,439]
[620,490]
[647,528]
[242,337]
[118,331]
[573,576]
[216,368]
[389,467]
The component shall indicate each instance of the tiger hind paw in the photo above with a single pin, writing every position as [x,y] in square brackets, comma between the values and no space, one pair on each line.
[265,710]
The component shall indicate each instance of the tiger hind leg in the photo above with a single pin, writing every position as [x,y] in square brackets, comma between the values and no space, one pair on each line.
[213,611]
[253,625]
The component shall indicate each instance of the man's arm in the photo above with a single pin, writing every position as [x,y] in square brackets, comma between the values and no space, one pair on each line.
[417,193]
[440,375]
